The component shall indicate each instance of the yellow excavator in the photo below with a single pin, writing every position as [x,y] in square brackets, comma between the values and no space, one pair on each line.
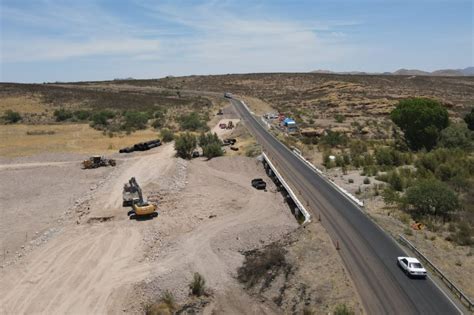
[133,197]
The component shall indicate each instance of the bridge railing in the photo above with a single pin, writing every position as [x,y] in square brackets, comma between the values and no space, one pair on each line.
[457,292]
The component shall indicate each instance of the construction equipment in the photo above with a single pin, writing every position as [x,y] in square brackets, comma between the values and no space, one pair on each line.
[230,125]
[132,196]
[97,161]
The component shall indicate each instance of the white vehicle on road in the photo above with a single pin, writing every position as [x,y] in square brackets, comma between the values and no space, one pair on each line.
[411,266]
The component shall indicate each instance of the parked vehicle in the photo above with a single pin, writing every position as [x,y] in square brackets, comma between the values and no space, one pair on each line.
[259,183]
[411,266]
[229,141]
[228,95]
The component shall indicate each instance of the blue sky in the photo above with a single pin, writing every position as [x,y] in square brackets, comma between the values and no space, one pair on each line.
[46,40]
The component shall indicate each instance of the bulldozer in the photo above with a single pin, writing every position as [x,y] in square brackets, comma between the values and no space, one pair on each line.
[133,197]
[97,161]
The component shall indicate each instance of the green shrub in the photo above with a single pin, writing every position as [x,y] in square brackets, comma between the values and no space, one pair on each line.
[185,144]
[445,172]
[457,136]
[351,181]
[340,161]
[157,123]
[421,120]
[197,285]
[82,115]
[342,309]
[168,298]
[464,234]
[339,118]
[357,148]
[390,196]
[212,150]
[366,181]
[432,197]
[166,135]
[63,114]
[253,150]
[333,139]
[395,180]
[11,117]
[192,122]
[101,118]
[469,119]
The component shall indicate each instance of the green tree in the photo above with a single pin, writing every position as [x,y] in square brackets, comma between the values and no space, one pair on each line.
[421,120]
[11,117]
[135,120]
[469,119]
[185,144]
[166,135]
[432,197]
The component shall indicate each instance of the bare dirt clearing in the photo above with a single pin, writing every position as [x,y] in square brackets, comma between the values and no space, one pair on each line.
[96,260]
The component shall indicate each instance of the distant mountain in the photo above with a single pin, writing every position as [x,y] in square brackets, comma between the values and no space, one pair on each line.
[469,71]
[410,72]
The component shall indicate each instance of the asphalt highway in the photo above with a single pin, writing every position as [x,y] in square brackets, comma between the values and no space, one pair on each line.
[368,253]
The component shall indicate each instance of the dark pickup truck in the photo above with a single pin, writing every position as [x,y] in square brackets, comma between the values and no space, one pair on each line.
[259,183]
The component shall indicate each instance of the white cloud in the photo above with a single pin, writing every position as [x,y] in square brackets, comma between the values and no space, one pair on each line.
[47,49]
[233,42]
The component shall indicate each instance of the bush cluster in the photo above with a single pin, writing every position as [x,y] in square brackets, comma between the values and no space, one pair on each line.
[192,122]
[211,145]
[11,117]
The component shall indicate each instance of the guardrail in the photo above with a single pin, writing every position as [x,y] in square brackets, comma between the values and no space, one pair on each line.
[342,190]
[307,216]
[459,294]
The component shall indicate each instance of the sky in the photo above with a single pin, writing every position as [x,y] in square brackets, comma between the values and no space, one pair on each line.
[48,41]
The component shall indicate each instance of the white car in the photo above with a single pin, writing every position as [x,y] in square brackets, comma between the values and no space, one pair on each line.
[411,266]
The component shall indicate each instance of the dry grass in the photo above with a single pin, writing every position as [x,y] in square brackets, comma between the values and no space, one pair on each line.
[75,138]
[23,104]
[258,106]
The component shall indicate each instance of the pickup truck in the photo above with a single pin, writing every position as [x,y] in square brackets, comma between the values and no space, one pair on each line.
[259,183]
